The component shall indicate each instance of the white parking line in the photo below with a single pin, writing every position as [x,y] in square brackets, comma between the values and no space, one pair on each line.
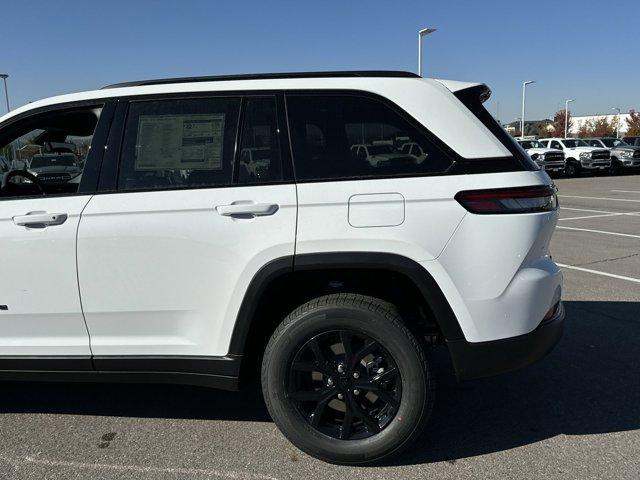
[599,231]
[585,210]
[597,272]
[136,469]
[593,216]
[602,198]
[626,191]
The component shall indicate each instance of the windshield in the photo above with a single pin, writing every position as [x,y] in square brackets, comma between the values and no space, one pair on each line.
[526,144]
[379,149]
[614,142]
[39,161]
[573,143]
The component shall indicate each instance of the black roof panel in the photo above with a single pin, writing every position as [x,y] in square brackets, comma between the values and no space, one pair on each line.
[269,76]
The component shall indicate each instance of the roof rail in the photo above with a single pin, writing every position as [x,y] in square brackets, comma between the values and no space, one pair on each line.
[268,76]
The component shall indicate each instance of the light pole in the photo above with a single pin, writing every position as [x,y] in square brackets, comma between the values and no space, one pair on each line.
[566,116]
[422,33]
[4,77]
[524,93]
[618,122]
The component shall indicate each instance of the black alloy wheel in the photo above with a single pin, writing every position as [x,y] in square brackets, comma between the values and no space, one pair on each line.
[346,381]
[345,384]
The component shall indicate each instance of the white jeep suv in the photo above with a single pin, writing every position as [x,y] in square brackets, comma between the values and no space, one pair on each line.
[579,155]
[165,261]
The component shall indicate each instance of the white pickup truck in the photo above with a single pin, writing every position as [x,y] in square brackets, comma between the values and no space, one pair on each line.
[579,155]
[548,159]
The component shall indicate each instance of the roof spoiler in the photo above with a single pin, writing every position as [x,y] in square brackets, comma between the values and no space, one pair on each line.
[467,89]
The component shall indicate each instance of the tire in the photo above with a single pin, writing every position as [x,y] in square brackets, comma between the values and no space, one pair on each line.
[615,168]
[571,169]
[398,413]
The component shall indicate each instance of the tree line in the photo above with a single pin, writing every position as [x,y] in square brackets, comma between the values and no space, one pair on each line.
[600,127]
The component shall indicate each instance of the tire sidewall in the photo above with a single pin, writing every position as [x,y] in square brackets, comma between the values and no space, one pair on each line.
[572,169]
[414,376]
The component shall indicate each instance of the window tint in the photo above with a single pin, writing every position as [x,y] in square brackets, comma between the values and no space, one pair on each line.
[45,154]
[350,136]
[556,145]
[259,146]
[179,144]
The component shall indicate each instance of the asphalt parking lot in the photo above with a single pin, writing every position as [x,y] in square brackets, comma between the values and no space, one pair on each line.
[576,414]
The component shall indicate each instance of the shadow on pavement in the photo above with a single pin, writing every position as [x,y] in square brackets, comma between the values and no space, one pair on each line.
[589,384]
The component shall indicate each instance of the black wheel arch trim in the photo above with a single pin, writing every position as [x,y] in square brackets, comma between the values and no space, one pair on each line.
[423,280]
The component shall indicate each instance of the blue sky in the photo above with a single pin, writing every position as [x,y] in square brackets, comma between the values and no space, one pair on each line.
[573,48]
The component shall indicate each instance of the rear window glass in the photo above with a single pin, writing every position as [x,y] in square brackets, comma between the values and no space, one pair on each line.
[350,136]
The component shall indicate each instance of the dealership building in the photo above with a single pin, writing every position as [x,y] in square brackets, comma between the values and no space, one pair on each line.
[578,121]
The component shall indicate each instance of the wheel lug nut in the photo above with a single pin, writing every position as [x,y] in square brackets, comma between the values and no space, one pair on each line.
[330,382]
[380,370]
[340,396]
[341,368]
[356,375]
[356,392]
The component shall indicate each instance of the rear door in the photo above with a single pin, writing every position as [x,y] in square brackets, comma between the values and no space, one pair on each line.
[165,254]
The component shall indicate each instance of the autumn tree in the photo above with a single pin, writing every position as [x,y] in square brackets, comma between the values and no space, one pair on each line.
[543,130]
[559,123]
[585,129]
[633,124]
[603,128]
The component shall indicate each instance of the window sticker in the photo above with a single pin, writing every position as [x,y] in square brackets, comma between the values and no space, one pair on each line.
[180,142]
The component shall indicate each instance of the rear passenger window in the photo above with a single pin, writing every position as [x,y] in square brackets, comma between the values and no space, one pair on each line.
[259,148]
[179,144]
[349,136]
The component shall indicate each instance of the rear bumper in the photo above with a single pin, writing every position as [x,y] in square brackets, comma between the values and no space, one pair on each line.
[484,359]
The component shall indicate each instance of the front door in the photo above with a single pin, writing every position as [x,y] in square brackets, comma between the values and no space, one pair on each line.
[41,201]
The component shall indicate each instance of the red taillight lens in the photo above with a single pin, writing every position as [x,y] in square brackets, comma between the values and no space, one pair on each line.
[509,200]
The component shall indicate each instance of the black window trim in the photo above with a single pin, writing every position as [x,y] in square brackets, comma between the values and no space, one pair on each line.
[87,186]
[107,179]
[111,163]
[459,165]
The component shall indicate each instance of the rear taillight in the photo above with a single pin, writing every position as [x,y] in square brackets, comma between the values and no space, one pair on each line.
[509,200]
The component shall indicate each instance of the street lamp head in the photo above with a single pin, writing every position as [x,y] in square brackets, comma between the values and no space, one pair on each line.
[572,100]
[426,31]
[4,76]
[528,82]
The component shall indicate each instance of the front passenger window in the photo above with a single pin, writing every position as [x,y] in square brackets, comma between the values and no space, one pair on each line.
[45,154]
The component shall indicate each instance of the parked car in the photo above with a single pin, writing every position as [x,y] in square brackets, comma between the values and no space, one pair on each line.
[415,150]
[623,155]
[550,160]
[633,141]
[579,155]
[255,161]
[327,276]
[381,154]
[54,168]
